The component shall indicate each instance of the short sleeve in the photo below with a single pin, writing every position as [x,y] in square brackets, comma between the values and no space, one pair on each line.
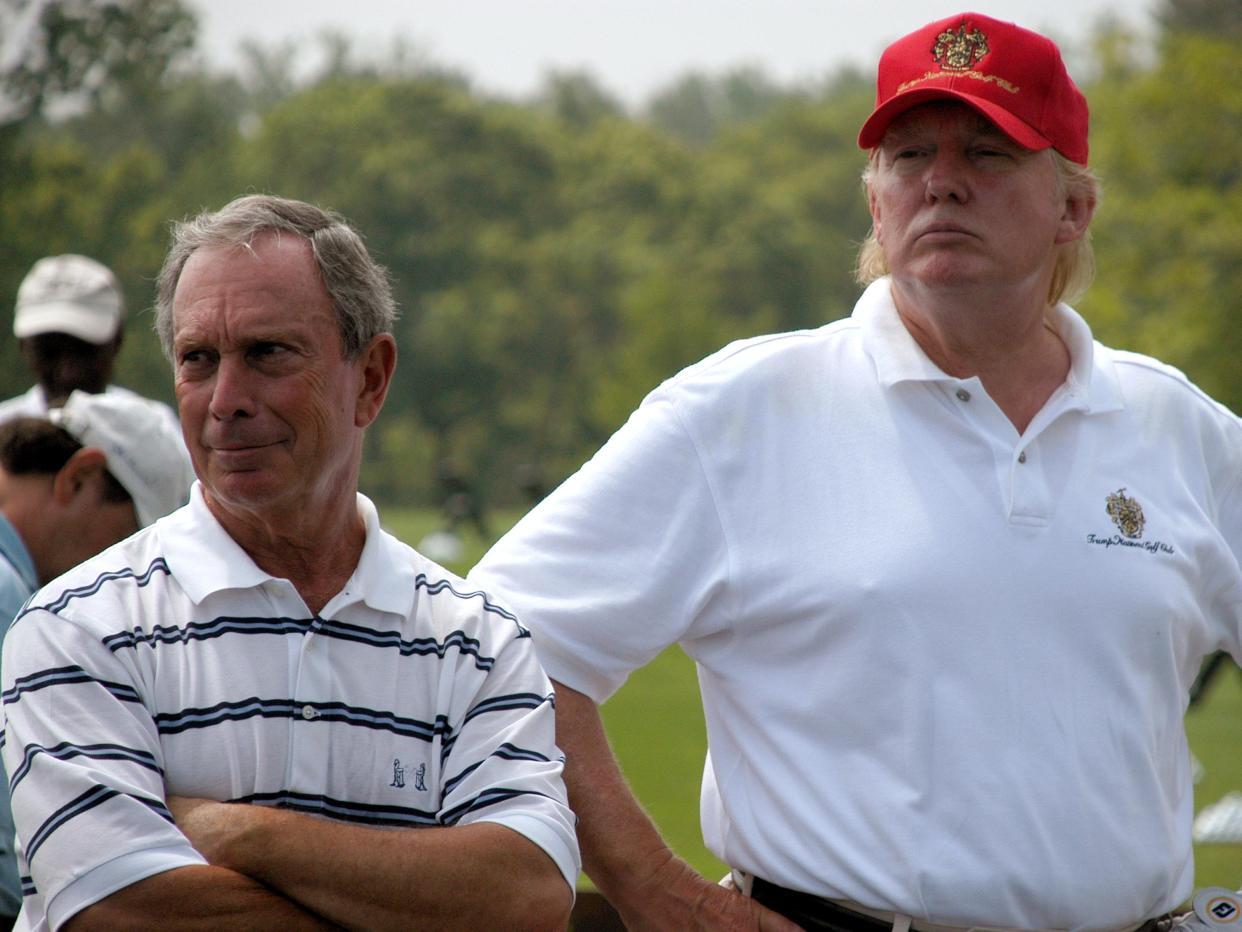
[502,763]
[85,767]
[621,560]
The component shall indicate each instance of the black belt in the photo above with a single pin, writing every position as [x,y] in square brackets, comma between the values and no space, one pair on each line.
[815,914]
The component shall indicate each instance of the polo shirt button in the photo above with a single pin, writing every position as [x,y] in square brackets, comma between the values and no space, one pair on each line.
[1022,457]
[309,713]
[963,395]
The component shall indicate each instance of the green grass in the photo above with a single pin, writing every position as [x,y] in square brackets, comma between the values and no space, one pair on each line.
[1215,730]
[656,727]
[413,524]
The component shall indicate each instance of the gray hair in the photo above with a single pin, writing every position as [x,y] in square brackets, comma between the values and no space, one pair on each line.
[1075,265]
[357,286]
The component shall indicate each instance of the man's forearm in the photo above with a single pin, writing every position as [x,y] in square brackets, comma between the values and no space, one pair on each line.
[463,877]
[622,850]
[621,846]
[195,898]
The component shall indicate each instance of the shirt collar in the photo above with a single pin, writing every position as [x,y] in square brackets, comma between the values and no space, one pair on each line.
[1092,378]
[205,559]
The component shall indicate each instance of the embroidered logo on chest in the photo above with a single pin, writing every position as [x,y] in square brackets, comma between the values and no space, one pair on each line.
[1128,518]
[1126,513]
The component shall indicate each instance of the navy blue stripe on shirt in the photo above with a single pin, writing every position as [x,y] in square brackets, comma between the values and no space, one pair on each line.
[505,703]
[489,797]
[95,796]
[441,585]
[509,751]
[28,886]
[65,676]
[335,712]
[505,751]
[67,751]
[80,592]
[494,704]
[205,630]
[343,810]
[458,639]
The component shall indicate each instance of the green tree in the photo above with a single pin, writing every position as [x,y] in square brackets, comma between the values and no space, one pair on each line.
[448,188]
[85,180]
[577,98]
[83,47]
[697,107]
[1169,232]
[1206,17]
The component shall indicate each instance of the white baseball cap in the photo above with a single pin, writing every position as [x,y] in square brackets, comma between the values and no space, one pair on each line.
[69,294]
[145,454]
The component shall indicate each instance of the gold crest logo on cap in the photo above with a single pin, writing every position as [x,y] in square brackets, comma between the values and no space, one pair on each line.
[1126,513]
[959,51]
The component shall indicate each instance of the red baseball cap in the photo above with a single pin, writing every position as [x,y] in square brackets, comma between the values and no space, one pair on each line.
[1011,75]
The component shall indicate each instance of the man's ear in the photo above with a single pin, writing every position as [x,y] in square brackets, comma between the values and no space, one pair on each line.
[82,473]
[378,361]
[1075,218]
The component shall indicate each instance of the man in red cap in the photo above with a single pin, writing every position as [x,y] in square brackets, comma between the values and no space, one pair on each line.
[947,567]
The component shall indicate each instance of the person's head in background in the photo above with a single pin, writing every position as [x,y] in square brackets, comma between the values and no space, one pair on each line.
[88,475]
[68,320]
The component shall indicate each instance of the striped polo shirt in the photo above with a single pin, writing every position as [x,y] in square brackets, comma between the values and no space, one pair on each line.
[171,664]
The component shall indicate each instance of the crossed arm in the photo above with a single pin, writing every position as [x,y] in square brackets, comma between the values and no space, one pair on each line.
[200,898]
[275,868]
[271,868]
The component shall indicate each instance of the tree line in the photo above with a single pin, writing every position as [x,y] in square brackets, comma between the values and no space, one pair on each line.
[554,258]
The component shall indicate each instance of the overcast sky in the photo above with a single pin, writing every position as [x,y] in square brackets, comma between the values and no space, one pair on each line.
[634,47]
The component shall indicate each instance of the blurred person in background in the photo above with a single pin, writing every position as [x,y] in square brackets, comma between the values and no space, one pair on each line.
[69,321]
[947,567]
[72,483]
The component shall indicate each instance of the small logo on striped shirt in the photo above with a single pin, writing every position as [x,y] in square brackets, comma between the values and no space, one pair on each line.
[398,775]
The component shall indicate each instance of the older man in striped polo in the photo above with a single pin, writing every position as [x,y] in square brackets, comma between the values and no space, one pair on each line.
[266,712]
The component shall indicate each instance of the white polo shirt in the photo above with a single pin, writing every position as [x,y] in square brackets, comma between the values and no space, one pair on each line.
[943,665]
[171,664]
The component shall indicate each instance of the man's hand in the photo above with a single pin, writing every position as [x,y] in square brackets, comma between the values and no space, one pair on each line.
[623,852]
[717,907]
[359,877]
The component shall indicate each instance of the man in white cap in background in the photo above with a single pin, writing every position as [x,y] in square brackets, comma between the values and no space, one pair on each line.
[69,320]
[72,483]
